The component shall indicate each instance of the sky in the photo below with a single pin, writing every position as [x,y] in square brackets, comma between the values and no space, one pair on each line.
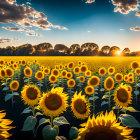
[104,22]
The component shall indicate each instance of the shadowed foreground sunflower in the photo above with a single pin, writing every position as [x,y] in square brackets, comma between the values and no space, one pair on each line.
[80,106]
[54,103]
[4,126]
[104,127]
[122,96]
[30,95]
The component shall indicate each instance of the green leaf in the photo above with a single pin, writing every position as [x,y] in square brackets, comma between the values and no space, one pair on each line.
[129,120]
[131,109]
[38,114]
[26,110]
[93,98]
[5,88]
[60,121]
[29,123]
[73,133]
[104,103]
[115,107]
[43,120]
[8,97]
[102,89]
[136,92]
[50,133]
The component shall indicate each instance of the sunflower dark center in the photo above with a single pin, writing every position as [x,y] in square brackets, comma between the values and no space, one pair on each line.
[71,65]
[80,106]
[53,78]
[63,73]
[71,83]
[119,77]
[9,72]
[14,85]
[83,69]
[3,73]
[101,133]
[122,95]
[102,71]
[89,89]
[39,75]
[135,65]
[76,69]
[28,72]
[109,83]
[55,72]
[32,93]
[111,70]
[93,81]
[53,102]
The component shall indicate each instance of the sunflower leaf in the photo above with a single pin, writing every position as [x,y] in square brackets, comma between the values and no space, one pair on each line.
[5,88]
[102,89]
[115,107]
[105,96]
[103,103]
[8,97]
[131,109]
[38,114]
[93,98]
[129,120]
[43,120]
[136,92]
[26,80]
[26,110]
[29,123]
[60,121]
[73,133]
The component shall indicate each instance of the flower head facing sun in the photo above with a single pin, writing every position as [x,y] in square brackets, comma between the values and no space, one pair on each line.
[89,90]
[94,81]
[80,106]
[14,85]
[28,72]
[70,65]
[69,75]
[63,73]
[82,79]
[71,83]
[134,65]
[54,103]
[119,77]
[104,127]
[102,71]
[52,79]
[88,73]
[122,96]
[55,72]
[76,70]
[131,80]
[30,95]
[109,83]
[9,72]
[39,75]
[111,70]
[46,71]
[137,71]
[126,78]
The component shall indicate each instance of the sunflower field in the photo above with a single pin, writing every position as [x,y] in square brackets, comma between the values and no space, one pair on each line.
[69,101]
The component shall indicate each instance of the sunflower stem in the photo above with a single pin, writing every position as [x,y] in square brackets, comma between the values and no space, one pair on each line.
[109,100]
[93,104]
[51,120]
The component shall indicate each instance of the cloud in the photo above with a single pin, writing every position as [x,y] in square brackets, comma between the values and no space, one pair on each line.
[11,12]
[125,6]
[135,28]
[16,29]
[28,3]
[122,29]
[5,40]
[90,1]
[33,34]
[89,31]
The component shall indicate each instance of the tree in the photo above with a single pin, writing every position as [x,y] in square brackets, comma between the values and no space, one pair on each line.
[114,50]
[105,50]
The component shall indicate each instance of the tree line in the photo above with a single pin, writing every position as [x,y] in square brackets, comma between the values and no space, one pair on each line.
[46,49]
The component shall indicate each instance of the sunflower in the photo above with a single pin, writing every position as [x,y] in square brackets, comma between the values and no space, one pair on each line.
[118,77]
[89,90]
[122,96]
[14,85]
[46,71]
[102,71]
[63,73]
[82,79]
[4,126]
[111,70]
[104,127]
[39,75]
[79,63]
[2,62]
[137,71]
[56,67]
[15,66]
[69,75]
[134,65]
[131,80]
[71,83]
[130,74]
[109,83]
[94,81]
[19,62]
[9,72]
[54,103]
[88,73]
[129,88]
[70,65]
[30,95]
[12,62]
[83,68]
[28,72]
[76,70]
[2,73]
[126,78]
[60,67]
[80,106]
[52,79]
[55,72]
[23,62]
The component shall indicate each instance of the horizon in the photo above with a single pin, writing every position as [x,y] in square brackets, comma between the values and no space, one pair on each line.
[69,22]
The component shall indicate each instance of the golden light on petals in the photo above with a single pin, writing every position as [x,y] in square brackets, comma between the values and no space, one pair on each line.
[122,96]
[102,71]
[80,106]
[52,79]
[71,83]
[83,68]
[2,73]
[104,127]
[14,85]
[131,80]
[46,71]
[94,81]
[88,73]
[30,95]
[23,62]
[76,70]
[28,72]
[39,75]
[130,74]
[89,90]
[55,72]
[70,65]
[126,78]
[69,75]
[63,73]
[109,83]
[82,79]
[118,77]
[9,72]
[137,71]
[129,88]
[111,70]
[54,103]
[134,65]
